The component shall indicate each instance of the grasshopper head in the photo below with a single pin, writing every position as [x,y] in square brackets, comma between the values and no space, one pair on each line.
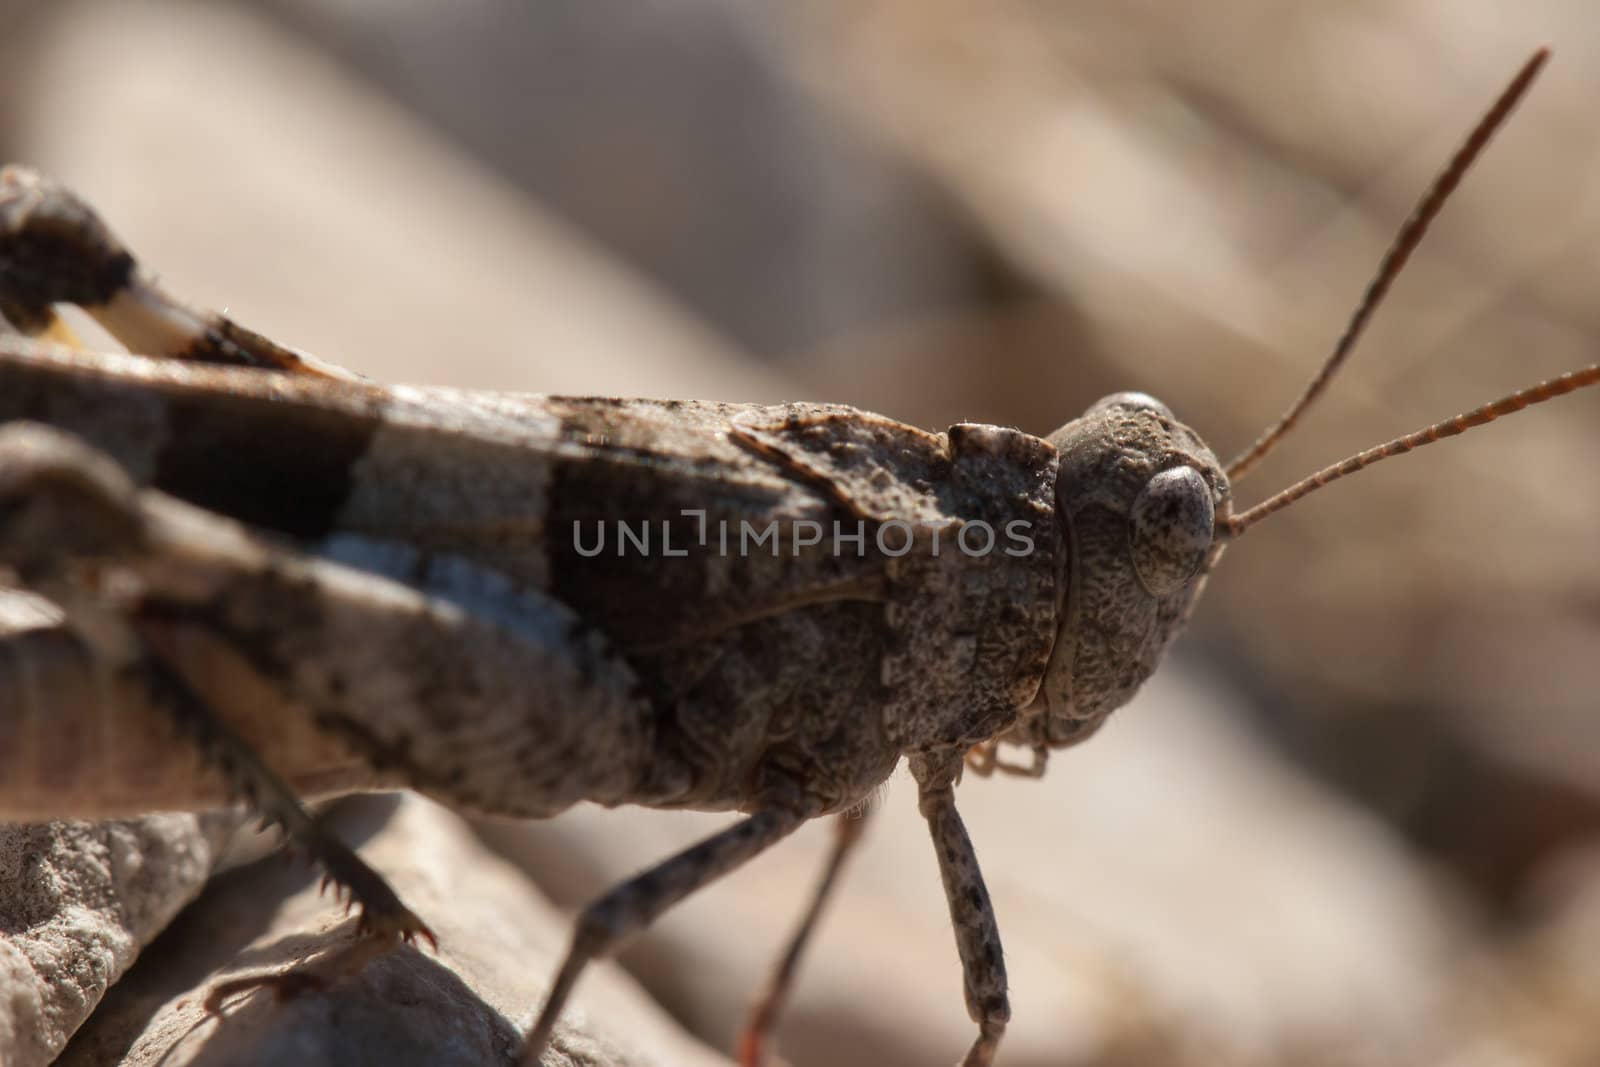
[1145,508]
[1138,495]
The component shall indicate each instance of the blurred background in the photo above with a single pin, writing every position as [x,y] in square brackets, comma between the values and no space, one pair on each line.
[1354,821]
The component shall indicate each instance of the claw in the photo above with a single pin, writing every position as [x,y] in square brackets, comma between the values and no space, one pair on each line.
[404,926]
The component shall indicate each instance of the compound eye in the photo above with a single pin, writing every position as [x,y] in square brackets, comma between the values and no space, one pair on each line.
[1171,527]
[1131,400]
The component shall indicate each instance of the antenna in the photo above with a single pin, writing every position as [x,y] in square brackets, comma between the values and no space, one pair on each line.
[1394,260]
[1570,382]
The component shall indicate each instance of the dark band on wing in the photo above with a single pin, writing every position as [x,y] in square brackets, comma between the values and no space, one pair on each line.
[284,467]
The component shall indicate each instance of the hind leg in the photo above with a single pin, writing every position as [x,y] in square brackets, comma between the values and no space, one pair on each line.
[54,249]
[65,515]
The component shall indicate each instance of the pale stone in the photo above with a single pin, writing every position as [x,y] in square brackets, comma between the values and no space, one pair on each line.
[499,942]
[77,903]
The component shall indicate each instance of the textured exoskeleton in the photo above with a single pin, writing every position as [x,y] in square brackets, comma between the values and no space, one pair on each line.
[513,603]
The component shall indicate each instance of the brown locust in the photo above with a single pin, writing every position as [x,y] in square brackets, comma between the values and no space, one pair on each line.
[515,603]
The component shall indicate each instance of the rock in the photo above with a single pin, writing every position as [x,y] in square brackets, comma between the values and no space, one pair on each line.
[499,943]
[77,903]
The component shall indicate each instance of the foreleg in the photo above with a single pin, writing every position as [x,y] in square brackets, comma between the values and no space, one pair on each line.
[971,914]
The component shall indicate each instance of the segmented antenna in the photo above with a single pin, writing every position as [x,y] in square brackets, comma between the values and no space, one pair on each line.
[1525,398]
[1394,260]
